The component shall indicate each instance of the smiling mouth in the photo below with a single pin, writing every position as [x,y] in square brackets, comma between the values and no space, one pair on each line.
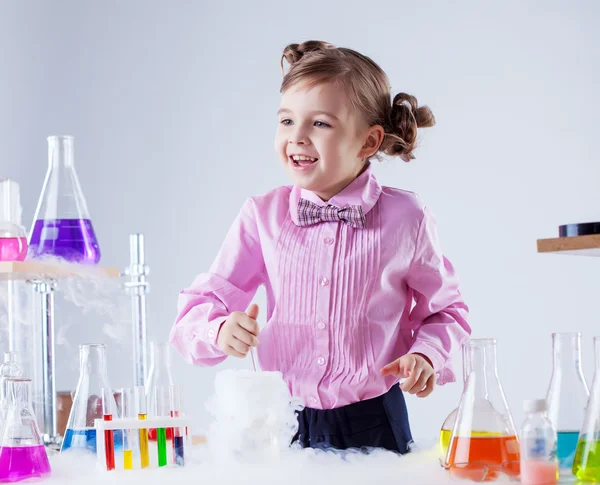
[302,161]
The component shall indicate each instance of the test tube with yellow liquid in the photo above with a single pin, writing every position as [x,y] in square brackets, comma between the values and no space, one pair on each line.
[141,405]
[127,411]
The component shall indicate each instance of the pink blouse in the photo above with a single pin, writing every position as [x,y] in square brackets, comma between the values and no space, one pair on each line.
[342,301]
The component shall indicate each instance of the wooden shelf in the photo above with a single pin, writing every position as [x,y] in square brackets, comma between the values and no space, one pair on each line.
[28,270]
[577,245]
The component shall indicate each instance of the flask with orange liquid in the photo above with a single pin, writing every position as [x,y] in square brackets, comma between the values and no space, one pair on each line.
[484,444]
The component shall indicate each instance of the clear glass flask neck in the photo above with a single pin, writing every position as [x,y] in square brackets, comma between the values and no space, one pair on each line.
[19,393]
[92,361]
[481,359]
[466,363]
[566,354]
[61,152]
[160,363]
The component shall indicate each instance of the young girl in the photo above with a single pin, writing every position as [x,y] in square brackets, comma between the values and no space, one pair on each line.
[359,294]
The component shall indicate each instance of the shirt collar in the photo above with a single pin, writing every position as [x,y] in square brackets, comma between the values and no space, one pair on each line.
[364,191]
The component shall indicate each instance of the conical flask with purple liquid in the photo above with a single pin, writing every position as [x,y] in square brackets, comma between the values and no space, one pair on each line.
[62,226]
[22,453]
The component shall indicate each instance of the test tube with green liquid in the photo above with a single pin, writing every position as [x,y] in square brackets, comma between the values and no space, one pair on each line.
[161,404]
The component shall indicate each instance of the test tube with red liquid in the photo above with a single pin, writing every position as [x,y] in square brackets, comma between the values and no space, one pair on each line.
[109,437]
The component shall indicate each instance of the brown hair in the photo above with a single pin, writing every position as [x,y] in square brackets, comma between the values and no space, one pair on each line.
[368,88]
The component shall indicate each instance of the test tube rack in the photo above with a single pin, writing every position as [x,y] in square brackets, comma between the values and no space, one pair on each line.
[120,424]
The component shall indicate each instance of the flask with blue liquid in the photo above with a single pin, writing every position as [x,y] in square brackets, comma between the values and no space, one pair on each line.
[567,396]
[88,402]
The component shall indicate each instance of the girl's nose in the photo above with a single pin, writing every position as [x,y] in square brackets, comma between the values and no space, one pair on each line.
[299,137]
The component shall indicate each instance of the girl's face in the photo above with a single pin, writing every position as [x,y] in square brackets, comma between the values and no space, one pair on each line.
[320,140]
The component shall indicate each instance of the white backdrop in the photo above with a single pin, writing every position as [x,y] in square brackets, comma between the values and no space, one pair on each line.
[173,108]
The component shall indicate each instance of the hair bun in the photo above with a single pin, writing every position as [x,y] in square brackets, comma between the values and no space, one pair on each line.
[406,116]
[294,52]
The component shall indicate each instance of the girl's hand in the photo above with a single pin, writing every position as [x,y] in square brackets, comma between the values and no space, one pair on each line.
[239,332]
[418,371]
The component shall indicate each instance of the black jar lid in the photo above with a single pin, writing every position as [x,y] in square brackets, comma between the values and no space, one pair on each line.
[580,229]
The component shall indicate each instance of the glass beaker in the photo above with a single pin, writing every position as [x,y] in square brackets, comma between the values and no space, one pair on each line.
[448,423]
[159,376]
[586,465]
[22,455]
[13,240]
[62,226]
[484,442]
[567,396]
[87,404]
[9,369]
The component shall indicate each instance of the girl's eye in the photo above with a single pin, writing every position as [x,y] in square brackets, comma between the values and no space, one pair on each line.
[286,122]
[322,124]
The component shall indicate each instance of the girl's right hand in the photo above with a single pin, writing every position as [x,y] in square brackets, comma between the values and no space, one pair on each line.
[239,332]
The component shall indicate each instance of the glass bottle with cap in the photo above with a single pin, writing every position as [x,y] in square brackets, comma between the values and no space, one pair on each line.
[539,462]
[13,240]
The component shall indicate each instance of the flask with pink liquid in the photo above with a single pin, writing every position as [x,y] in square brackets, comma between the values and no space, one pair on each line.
[13,240]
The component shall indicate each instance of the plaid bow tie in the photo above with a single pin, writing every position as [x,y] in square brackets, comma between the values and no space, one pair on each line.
[310,213]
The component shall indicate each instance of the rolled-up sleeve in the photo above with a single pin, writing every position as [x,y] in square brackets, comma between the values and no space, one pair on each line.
[439,315]
[228,286]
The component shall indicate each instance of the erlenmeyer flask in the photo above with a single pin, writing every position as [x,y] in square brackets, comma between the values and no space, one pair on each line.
[87,404]
[586,465]
[484,440]
[567,396]
[23,455]
[448,424]
[62,225]
[9,369]
[13,240]
[159,376]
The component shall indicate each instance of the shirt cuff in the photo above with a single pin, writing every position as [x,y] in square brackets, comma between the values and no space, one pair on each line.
[440,365]
[207,332]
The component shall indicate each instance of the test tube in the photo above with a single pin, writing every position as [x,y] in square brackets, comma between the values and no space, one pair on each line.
[161,403]
[141,404]
[175,409]
[127,412]
[109,437]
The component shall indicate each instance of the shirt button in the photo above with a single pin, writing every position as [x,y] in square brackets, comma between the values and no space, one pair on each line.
[192,336]
[211,333]
[320,324]
[321,361]
[324,281]
[313,400]
[328,240]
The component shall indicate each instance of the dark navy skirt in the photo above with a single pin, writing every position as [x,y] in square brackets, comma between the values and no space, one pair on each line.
[381,422]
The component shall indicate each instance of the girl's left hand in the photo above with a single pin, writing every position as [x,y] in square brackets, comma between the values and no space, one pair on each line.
[418,371]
